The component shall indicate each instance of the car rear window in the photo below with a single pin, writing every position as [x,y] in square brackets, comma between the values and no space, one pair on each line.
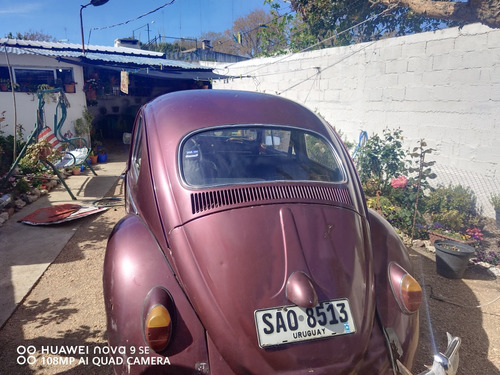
[236,155]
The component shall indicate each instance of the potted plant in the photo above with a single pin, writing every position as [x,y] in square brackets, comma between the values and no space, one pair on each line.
[92,86]
[83,126]
[40,151]
[4,84]
[495,201]
[452,258]
[69,87]
[76,170]
[93,157]
[439,232]
[102,155]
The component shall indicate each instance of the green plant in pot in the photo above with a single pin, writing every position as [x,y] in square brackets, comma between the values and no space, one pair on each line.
[83,126]
[93,157]
[495,201]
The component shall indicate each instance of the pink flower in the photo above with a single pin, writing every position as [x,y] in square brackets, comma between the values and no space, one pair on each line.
[399,182]
[475,233]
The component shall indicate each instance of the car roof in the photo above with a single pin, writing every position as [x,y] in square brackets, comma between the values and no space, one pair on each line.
[174,115]
[171,117]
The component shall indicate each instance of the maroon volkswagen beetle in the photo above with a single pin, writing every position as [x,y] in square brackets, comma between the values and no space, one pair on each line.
[248,249]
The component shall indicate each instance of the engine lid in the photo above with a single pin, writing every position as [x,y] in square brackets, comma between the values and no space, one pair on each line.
[241,267]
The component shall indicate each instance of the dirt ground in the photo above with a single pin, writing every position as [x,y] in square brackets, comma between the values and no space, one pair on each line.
[66,310]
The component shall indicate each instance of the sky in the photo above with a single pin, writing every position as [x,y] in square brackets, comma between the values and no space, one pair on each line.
[178,18]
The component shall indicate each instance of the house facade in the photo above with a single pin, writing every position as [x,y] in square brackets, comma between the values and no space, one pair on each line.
[111,82]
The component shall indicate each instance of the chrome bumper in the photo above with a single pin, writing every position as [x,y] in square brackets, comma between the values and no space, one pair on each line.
[444,363]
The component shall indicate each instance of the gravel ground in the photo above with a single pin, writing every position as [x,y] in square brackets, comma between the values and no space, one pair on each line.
[468,308]
[66,310]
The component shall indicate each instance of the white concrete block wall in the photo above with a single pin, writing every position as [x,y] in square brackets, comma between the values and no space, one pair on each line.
[441,86]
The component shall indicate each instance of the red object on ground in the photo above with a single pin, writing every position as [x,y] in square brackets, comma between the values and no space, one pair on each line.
[59,213]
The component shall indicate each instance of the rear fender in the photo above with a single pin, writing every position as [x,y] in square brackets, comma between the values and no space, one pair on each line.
[135,271]
[400,329]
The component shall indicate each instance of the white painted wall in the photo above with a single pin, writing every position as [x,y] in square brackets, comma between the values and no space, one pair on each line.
[441,86]
[27,104]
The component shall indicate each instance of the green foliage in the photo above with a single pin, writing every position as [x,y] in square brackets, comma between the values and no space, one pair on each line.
[402,187]
[422,167]
[495,201]
[7,152]
[344,22]
[39,151]
[399,179]
[164,47]
[379,160]
[83,125]
[32,35]
[400,217]
[285,33]
[7,146]
[454,207]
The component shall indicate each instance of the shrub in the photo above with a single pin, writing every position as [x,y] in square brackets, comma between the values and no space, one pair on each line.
[495,201]
[385,169]
[7,151]
[399,217]
[379,160]
[454,207]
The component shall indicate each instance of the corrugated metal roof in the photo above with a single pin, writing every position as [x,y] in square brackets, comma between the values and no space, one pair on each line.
[141,60]
[117,55]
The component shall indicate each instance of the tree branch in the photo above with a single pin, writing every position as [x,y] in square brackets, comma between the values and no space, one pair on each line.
[484,11]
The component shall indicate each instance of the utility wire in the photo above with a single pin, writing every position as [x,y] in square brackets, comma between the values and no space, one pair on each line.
[318,72]
[390,8]
[134,19]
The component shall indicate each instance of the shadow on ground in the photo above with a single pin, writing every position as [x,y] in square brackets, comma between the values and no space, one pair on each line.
[453,305]
[60,327]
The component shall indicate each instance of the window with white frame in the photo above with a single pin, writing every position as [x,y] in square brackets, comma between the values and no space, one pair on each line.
[30,79]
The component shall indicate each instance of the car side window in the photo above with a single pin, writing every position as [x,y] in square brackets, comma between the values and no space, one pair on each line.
[317,150]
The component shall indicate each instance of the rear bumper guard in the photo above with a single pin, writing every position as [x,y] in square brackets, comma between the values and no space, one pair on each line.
[444,363]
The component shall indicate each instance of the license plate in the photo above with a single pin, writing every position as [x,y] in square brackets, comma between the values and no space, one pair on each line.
[287,324]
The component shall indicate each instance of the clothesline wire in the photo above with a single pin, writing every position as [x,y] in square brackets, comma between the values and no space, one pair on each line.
[320,42]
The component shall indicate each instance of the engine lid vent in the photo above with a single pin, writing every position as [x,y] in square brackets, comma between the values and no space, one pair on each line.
[215,199]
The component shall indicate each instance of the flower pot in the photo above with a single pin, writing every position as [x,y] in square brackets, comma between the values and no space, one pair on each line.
[452,258]
[102,158]
[76,171]
[69,88]
[93,159]
[91,94]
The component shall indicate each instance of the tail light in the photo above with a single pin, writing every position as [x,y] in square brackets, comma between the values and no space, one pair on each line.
[158,319]
[407,291]
[158,328]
